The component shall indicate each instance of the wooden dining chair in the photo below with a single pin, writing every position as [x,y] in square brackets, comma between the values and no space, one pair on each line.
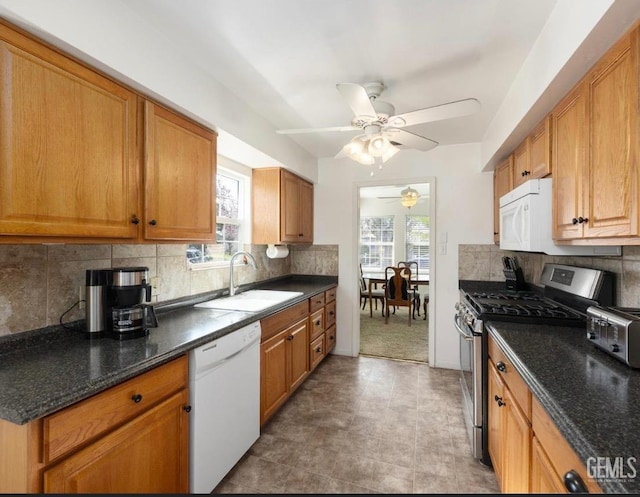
[397,291]
[377,295]
[413,266]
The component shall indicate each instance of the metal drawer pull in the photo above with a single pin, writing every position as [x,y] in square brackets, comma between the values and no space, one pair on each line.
[319,349]
[500,366]
[136,398]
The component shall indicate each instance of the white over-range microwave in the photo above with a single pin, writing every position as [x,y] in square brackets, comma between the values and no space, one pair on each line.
[526,223]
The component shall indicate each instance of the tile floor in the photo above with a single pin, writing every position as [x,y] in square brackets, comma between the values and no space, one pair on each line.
[365,425]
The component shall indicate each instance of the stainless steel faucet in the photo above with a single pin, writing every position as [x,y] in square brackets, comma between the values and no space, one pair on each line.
[248,259]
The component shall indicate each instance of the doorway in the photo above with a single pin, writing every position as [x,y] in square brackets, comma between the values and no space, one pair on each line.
[395,222]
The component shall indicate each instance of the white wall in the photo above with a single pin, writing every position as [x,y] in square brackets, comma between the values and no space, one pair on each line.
[463,210]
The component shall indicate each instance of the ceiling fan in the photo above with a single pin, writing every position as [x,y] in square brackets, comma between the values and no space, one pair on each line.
[383,134]
[408,197]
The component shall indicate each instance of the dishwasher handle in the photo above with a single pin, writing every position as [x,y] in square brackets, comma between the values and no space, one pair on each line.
[216,364]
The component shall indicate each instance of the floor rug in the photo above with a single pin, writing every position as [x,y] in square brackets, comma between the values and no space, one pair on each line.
[396,340]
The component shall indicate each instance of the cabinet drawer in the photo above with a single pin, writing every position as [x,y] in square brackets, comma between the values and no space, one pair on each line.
[81,422]
[510,376]
[330,295]
[316,323]
[316,302]
[283,319]
[330,335]
[330,314]
[559,452]
[317,351]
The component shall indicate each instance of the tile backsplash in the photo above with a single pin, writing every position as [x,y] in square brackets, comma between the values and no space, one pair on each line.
[484,262]
[38,283]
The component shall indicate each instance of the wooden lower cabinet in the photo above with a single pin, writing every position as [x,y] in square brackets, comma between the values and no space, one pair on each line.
[130,438]
[509,436]
[148,455]
[294,343]
[284,366]
[528,452]
[544,479]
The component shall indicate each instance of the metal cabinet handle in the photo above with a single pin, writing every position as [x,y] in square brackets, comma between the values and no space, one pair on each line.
[153,222]
[574,220]
[573,483]
[498,400]
[290,337]
[135,219]
[319,349]
[318,322]
[136,398]
[583,219]
[187,408]
[500,366]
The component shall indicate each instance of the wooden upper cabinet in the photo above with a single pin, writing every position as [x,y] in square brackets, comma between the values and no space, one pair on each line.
[282,207]
[521,159]
[68,163]
[532,158]
[568,155]
[610,182]
[595,147]
[540,150]
[180,175]
[502,183]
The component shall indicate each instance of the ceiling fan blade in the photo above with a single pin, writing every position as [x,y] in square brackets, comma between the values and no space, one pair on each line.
[436,113]
[357,98]
[403,139]
[315,130]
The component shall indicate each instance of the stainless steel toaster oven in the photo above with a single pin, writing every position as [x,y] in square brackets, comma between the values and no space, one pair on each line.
[616,330]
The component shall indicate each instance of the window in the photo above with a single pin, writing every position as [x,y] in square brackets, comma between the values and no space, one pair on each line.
[230,208]
[417,241]
[376,242]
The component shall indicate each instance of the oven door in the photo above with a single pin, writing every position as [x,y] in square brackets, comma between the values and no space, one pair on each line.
[471,382]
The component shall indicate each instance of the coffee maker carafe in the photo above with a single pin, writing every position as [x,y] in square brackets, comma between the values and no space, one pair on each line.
[117,303]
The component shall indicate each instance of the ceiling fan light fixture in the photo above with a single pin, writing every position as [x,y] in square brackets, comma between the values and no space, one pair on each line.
[409,197]
[358,150]
[378,145]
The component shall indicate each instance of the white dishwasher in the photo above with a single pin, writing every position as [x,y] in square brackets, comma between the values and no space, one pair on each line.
[224,384]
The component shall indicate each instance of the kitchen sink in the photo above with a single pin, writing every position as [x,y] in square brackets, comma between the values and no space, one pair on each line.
[251,300]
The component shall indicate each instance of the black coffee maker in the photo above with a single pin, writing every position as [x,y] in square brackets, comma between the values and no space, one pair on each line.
[117,303]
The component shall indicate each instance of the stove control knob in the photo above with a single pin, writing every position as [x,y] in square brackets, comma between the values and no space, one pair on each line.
[591,335]
[614,347]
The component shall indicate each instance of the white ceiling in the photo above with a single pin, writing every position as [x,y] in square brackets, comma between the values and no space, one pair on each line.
[285,57]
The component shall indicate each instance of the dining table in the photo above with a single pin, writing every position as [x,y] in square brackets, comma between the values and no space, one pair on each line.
[376,279]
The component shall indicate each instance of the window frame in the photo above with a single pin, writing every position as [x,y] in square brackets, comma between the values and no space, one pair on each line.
[391,243]
[242,221]
[427,244]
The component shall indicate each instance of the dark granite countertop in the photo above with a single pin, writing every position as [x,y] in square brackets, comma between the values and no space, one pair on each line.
[593,398]
[45,370]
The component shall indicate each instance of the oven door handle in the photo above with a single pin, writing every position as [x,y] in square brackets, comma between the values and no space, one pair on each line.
[466,336]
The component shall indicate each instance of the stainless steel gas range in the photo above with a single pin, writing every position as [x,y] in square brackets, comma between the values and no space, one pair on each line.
[562,299]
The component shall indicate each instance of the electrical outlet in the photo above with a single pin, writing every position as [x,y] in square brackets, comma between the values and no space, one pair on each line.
[155,283]
[81,297]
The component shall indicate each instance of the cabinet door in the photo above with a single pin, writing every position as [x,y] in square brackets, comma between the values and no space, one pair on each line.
[515,444]
[306,212]
[495,412]
[540,149]
[569,133]
[610,183]
[67,146]
[298,340]
[290,207]
[521,163]
[180,174]
[502,183]
[544,479]
[147,455]
[274,384]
